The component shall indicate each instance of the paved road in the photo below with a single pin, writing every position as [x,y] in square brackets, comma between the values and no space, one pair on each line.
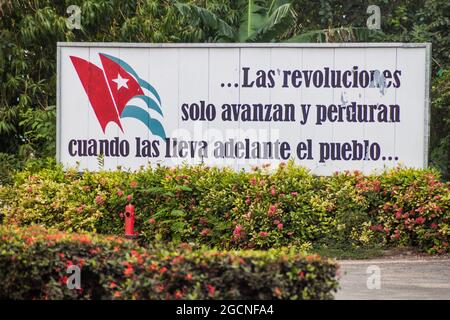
[395,278]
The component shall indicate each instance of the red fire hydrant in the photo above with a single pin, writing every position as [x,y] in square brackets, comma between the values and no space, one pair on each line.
[129,222]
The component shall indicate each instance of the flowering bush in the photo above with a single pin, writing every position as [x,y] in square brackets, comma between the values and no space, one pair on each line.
[34,261]
[227,209]
[411,208]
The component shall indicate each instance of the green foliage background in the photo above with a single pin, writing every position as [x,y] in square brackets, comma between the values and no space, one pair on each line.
[29,31]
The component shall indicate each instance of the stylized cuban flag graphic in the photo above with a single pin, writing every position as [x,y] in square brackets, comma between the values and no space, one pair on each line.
[111,92]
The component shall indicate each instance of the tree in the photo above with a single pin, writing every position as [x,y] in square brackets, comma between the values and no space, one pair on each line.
[266,21]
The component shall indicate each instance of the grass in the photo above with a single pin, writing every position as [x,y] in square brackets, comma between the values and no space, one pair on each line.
[341,252]
[347,252]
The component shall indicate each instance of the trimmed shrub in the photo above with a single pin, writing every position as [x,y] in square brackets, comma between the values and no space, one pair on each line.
[34,264]
[410,207]
[226,209]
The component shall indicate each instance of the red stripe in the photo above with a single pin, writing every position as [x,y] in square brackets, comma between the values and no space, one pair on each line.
[97,90]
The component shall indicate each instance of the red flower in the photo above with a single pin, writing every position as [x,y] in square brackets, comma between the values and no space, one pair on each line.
[237,230]
[99,200]
[263,234]
[128,271]
[117,294]
[434,225]
[162,270]
[133,184]
[420,210]
[399,213]
[178,294]
[152,221]
[248,201]
[177,260]
[280,226]
[134,253]
[159,288]
[120,193]
[211,290]
[205,232]
[276,221]
[273,192]
[396,234]
[272,210]
[301,275]
[94,251]
[112,285]
[253,181]
[377,227]
[294,194]
[129,197]
[376,185]
[188,276]
[277,292]
[420,220]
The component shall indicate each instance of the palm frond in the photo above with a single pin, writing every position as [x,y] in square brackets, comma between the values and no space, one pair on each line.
[208,18]
[277,23]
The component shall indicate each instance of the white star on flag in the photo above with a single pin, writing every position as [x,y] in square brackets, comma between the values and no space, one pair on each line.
[121,82]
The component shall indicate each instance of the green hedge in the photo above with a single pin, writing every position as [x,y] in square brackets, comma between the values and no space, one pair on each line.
[34,265]
[227,209]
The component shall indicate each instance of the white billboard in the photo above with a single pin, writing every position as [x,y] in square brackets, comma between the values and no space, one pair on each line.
[329,107]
